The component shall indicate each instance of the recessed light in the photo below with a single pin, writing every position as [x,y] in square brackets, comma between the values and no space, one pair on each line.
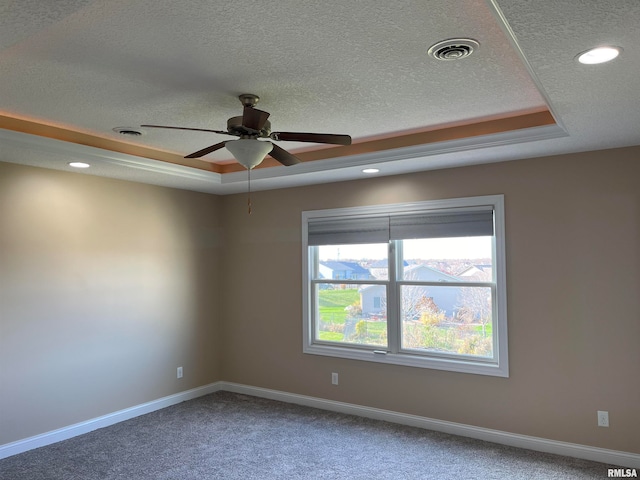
[79,165]
[599,55]
[370,170]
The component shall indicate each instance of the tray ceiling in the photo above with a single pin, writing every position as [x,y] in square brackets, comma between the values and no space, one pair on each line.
[73,71]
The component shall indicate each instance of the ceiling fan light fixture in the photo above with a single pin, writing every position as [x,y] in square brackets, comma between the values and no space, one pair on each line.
[249,152]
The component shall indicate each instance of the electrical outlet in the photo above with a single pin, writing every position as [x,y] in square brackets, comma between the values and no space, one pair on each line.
[603,418]
[179,372]
[334,379]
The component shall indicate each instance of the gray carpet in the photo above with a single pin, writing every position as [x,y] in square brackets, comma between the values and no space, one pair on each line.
[230,436]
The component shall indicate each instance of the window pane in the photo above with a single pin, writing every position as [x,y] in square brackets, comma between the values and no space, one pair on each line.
[454,320]
[448,259]
[353,262]
[348,314]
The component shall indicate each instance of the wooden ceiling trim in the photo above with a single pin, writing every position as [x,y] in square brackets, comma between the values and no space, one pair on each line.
[487,127]
[80,138]
[427,136]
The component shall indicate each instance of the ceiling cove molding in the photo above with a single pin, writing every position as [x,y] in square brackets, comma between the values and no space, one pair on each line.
[105,158]
[89,154]
[508,31]
[422,140]
[80,138]
[416,152]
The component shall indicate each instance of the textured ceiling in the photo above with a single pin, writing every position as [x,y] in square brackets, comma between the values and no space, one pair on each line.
[357,68]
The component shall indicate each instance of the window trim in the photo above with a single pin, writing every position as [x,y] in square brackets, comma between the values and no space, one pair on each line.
[498,367]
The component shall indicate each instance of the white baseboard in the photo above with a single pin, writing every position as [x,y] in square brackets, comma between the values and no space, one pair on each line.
[610,457]
[71,431]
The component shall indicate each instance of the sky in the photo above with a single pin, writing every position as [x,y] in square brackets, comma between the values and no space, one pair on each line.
[432,249]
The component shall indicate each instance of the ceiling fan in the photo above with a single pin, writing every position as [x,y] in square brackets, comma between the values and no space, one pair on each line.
[254,125]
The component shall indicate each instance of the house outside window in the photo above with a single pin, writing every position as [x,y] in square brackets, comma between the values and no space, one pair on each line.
[421,284]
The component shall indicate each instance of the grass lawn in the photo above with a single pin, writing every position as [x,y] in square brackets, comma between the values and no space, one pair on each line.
[332,304]
[488,329]
[367,332]
[338,298]
[331,336]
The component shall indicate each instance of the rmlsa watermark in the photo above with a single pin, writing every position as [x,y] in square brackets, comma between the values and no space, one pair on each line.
[622,473]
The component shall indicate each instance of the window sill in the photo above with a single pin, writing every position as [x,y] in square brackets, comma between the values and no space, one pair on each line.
[436,363]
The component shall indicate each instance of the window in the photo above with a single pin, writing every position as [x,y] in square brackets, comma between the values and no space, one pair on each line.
[377,303]
[426,288]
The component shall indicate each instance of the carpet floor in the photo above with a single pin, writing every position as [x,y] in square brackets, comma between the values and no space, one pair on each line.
[232,436]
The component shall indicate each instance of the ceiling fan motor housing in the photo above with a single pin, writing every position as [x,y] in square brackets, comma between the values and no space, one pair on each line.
[235,127]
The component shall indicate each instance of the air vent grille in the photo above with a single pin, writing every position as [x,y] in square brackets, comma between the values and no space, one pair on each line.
[453,49]
[128,131]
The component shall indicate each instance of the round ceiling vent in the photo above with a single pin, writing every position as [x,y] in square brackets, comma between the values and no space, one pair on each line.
[128,131]
[453,49]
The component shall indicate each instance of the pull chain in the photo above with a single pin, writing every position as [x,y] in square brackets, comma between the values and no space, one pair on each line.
[249,192]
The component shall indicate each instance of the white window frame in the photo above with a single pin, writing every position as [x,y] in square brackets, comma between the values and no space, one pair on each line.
[497,366]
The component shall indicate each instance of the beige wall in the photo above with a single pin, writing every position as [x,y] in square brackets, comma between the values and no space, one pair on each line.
[106,287]
[573,270]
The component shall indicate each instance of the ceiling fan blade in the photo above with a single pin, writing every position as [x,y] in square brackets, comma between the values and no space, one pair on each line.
[254,118]
[312,137]
[284,157]
[222,132]
[205,151]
